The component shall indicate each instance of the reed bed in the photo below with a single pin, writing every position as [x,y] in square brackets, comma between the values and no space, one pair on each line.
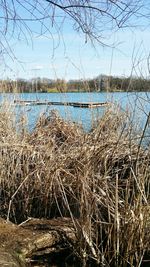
[100,179]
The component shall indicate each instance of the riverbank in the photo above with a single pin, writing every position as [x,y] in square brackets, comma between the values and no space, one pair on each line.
[101,83]
[98,180]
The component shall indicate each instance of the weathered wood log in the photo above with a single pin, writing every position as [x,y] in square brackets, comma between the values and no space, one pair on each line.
[7,258]
[37,237]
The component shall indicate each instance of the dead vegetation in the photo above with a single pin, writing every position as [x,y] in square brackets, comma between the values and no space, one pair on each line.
[101,180]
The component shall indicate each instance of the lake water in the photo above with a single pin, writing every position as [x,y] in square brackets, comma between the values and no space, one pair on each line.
[137,103]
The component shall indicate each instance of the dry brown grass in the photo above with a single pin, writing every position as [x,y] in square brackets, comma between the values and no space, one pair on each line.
[99,179]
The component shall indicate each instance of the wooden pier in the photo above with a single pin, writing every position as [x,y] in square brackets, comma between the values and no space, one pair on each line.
[73,104]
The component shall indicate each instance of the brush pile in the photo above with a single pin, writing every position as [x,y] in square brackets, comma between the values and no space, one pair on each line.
[100,179]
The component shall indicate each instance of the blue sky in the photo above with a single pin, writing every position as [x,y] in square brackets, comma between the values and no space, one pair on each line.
[69,57]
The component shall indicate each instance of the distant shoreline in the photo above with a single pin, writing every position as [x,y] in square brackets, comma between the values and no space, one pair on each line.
[58,92]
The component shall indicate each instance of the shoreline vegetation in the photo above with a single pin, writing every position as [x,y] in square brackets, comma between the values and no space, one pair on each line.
[101,83]
[99,181]
[80,197]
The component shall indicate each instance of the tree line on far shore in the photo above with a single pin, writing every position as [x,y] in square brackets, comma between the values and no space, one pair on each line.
[100,83]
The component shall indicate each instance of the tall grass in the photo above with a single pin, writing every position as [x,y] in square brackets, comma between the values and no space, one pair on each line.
[100,179]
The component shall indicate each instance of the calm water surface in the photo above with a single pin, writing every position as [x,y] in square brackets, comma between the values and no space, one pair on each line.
[137,103]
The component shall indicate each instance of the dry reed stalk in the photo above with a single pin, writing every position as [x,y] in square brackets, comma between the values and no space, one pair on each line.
[58,170]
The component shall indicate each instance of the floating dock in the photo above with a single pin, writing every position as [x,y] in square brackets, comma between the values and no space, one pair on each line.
[73,104]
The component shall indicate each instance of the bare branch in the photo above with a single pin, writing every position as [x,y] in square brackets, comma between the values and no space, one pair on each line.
[95,19]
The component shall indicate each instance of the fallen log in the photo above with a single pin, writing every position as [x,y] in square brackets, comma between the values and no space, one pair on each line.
[34,238]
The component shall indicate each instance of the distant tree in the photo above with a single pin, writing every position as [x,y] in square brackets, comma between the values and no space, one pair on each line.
[60,85]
